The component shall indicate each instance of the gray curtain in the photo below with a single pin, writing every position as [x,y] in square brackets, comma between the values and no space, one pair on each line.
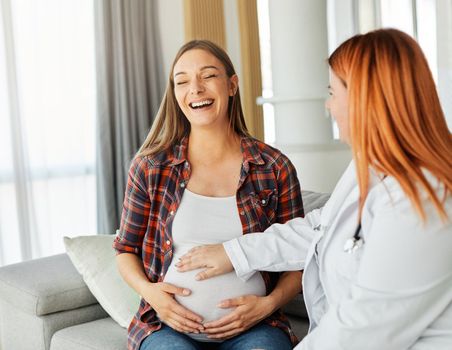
[130,86]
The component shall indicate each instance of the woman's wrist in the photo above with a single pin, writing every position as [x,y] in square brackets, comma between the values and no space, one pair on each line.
[271,303]
[144,287]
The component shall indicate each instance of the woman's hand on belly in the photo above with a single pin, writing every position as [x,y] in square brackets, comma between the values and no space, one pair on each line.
[212,257]
[249,310]
[161,297]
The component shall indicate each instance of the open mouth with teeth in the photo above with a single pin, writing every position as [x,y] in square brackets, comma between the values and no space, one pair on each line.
[201,104]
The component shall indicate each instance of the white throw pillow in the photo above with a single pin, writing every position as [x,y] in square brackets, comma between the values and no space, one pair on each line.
[94,259]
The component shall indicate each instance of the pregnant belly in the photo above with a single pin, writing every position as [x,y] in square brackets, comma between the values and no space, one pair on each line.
[206,295]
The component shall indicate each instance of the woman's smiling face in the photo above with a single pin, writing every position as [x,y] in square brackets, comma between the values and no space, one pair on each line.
[202,88]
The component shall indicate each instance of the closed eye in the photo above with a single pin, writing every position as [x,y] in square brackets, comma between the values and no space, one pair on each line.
[181,83]
[210,76]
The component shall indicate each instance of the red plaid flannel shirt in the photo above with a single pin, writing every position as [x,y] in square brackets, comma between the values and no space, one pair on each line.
[268,192]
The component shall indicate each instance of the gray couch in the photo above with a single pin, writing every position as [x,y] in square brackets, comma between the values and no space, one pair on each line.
[44,304]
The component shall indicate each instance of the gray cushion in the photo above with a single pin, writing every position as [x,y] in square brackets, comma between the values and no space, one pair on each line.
[299,326]
[296,307]
[104,334]
[23,331]
[43,286]
[313,200]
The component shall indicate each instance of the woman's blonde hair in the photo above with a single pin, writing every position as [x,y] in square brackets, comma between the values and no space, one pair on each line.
[396,124]
[170,124]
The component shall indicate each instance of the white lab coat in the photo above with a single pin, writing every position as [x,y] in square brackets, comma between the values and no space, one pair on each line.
[395,292]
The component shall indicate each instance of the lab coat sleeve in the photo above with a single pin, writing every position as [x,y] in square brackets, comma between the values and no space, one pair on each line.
[282,247]
[403,284]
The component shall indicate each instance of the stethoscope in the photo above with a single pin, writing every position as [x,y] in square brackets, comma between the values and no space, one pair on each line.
[354,243]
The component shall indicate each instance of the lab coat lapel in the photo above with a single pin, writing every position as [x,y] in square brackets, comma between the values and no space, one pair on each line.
[344,195]
[331,209]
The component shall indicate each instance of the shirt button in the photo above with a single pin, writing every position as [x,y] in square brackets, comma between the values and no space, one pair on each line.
[161,273]
[182,184]
[186,164]
[242,213]
[171,212]
[263,201]
[168,242]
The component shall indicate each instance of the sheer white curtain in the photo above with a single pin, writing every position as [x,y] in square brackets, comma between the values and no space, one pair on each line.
[47,124]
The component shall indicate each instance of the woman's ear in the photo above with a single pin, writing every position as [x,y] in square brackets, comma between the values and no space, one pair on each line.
[233,85]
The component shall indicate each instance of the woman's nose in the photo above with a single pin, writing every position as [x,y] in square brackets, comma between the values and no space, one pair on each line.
[196,87]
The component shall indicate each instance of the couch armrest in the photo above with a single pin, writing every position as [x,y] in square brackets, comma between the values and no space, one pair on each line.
[44,286]
[21,330]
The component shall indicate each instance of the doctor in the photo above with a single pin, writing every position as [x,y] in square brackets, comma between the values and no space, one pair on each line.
[377,258]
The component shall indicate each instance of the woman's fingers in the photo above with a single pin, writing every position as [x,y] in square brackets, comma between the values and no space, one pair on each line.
[228,303]
[188,315]
[175,325]
[212,327]
[182,319]
[168,308]
[172,289]
[226,331]
[185,324]
[248,311]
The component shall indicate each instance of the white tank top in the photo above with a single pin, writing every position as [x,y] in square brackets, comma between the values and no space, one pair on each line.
[204,220]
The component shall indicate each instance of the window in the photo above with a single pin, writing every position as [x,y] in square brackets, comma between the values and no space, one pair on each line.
[266,69]
[415,17]
[47,113]
[406,16]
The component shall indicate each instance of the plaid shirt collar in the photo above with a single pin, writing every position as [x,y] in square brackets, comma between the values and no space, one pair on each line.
[249,148]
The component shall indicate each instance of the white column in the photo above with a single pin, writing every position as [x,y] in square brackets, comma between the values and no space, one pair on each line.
[299,49]
[444,35]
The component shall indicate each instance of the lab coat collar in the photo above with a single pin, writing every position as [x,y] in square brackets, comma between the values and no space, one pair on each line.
[345,193]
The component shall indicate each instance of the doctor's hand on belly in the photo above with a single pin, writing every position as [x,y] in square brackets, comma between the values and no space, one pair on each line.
[212,258]
[161,297]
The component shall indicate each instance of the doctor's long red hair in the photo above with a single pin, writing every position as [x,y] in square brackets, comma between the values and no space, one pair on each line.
[397,125]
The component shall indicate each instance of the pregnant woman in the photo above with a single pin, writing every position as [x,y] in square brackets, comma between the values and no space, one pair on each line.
[200,178]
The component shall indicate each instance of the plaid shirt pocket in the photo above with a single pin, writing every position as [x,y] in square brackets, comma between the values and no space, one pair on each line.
[264,207]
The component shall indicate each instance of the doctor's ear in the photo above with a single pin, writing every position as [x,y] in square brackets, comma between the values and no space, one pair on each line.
[233,85]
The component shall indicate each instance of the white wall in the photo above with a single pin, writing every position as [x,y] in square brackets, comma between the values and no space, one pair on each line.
[231,19]
[171,18]
[444,37]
